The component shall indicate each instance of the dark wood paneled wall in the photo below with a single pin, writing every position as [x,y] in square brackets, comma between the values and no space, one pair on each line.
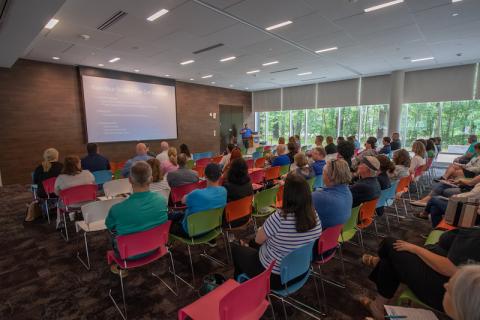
[40,107]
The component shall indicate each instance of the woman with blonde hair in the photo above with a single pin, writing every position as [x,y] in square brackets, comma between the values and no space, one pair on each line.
[300,166]
[418,148]
[171,164]
[49,168]
[462,294]
[159,183]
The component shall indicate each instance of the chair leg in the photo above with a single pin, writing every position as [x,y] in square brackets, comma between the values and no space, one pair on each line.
[47,213]
[123,314]
[284,308]
[360,238]
[323,290]
[64,236]
[271,306]
[191,265]
[175,292]
[87,263]
[388,223]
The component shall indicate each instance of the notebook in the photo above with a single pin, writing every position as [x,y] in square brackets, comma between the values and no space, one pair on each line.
[409,313]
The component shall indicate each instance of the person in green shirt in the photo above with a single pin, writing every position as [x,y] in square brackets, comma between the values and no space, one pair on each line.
[143,210]
[470,153]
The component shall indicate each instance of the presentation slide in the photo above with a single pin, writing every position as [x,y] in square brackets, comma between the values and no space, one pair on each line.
[120,110]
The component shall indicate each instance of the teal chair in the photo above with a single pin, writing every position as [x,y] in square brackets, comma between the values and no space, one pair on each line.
[318,182]
[311,183]
[202,227]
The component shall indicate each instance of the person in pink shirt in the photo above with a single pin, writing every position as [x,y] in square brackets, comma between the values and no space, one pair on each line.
[170,164]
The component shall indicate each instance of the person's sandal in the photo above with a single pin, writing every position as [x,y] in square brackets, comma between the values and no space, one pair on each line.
[370,261]
[421,215]
[418,203]
[115,270]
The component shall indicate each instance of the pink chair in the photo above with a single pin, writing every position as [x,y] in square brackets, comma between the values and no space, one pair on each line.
[203,162]
[177,193]
[233,301]
[257,177]
[49,188]
[139,243]
[73,198]
[327,245]
[250,163]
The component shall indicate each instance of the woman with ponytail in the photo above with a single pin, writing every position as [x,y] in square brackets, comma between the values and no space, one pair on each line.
[49,168]
[171,164]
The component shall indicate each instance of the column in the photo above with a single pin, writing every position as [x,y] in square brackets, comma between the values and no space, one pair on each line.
[396,101]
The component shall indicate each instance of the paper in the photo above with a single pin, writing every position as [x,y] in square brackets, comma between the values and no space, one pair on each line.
[410,313]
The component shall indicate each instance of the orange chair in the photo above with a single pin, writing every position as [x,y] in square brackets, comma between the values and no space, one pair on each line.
[260,162]
[272,173]
[200,171]
[279,201]
[237,211]
[367,213]
[203,162]
[250,163]
[444,226]
[217,159]
[113,166]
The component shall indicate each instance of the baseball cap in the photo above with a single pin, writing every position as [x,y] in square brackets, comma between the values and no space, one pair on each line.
[371,162]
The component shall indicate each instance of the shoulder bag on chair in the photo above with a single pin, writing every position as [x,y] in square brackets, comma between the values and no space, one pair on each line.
[462,212]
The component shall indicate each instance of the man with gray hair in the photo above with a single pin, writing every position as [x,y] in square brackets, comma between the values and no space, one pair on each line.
[143,210]
[282,156]
[163,155]
[367,187]
[141,150]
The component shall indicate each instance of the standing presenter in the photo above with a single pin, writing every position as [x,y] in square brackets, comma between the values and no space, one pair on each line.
[246,133]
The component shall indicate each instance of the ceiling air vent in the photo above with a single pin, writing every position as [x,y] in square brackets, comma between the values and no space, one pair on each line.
[3,9]
[284,70]
[314,79]
[215,46]
[112,20]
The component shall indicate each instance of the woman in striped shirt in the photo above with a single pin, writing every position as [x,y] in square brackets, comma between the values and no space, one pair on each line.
[289,228]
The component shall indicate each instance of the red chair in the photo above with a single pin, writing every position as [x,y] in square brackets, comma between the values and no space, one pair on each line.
[256,177]
[233,301]
[49,188]
[73,198]
[260,162]
[202,184]
[272,173]
[416,178]
[402,187]
[250,163]
[203,162]
[200,171]
[177,193]
[136,244]
[217,159]
[267,148]
[279,199]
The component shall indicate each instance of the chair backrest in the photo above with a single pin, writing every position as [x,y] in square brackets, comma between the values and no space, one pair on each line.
[429,163]
[259,149]
[203,162]
[272,173]
[318,182]
[217,159]
[260,162]
[351,223]
[284,169]
[204,221]
[201,155]
[329,238]
[177,193]
[190,164]
[142,242]
[116,187]
[250,163]
[279,196]
[98,210]
[247,301]
[367,212]
[257,176]
[296,263]
[257,154]
[419,170]
[267,148]
[202,184]
[311,183]
[238,209]
[49,185]
[265,198]
[78,194]
[387,194]
[200,171]
[102,176]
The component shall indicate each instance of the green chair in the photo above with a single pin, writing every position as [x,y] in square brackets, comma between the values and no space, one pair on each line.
[350,227]
[284,169]
[311,182]
[259,149]
[434,236]
[190,164]
[117,174]
[202,227]
[264,203]
[304,148]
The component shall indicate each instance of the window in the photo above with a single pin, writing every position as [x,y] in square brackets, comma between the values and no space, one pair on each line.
[373,122]
[349,119]
[278,126]
[261,125]
[321,121]
[298,124]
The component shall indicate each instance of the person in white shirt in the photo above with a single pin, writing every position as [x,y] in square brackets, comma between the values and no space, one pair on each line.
[226,158]
[418,148]
[159,182]
[163,155]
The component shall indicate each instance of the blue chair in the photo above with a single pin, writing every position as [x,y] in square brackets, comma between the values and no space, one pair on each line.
[295,264]
[318,182]
[101,177]
[202,155]
[257,154]
[387,197]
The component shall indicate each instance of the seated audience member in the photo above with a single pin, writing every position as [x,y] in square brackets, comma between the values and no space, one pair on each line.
[318,157]
[158,184]
[387,148]
[151,153]
[367,187]
[395,143]
[141,211]
[184,149]
[469,170]
[438,144]
[356,143]
[431,149]
[235,154]
[418,148]
[170,164]
[237,181]
[212,197]
[141,151]
[345,151]
[462,293]
[425,270]
[472,141]
[333,202]
[72,175]
[330,148]
[287,229]
[94,161]
[281,140]
[163,155]
[319,141]
[182,175]
[370,146]
[282,158]
[292,151]
[401,159]
[226,156]
[301,167]
[340,139]
[49,168]
[297,142]
[386,169]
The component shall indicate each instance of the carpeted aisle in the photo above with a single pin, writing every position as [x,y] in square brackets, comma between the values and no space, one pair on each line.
[41,278]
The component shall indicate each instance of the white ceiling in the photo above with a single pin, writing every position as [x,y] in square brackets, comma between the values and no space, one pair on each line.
[368,43]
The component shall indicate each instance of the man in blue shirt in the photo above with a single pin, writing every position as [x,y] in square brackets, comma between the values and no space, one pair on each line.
[94,161]
[318,157]
[246,134]
[212,197]
[141,150]
[282,158]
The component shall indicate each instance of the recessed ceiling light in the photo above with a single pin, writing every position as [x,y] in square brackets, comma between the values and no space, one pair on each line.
[383,5]
[253,71]
[326,50]
[100,64]
[453,1]
[213,82]
[228,59]
[305,73]
[231,86]
[167,75]
[454,14]
[269,63]
[422,59]
[51,23]
[187,62]
[279,25]
[136,70]
[191,79]
[207,76]
[114,60]
[157,15]
[55,58]
[246,88]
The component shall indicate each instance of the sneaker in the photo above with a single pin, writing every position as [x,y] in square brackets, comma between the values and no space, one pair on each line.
[115,270]
[418,203]
[421,216]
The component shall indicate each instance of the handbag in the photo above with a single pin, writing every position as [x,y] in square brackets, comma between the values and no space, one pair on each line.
[462,212]
[33,211]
